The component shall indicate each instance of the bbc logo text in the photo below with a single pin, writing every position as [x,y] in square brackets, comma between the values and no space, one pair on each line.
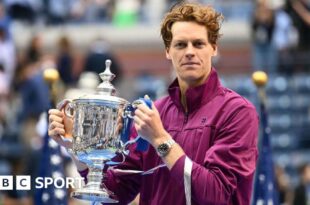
[24,182]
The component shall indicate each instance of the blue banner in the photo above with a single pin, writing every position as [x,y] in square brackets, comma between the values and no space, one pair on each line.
[265,189]
[51,167]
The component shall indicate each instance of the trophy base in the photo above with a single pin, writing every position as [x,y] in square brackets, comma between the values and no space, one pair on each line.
[93,195]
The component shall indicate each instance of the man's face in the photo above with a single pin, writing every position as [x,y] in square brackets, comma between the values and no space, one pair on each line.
[190,53]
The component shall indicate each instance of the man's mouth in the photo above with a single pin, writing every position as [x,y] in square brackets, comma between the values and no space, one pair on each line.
[189,63]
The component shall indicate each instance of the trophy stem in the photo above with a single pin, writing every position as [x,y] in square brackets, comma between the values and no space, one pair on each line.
[94,177]
[94,190]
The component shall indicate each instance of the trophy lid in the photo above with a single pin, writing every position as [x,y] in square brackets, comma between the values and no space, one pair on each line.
[106,87]
[105,91]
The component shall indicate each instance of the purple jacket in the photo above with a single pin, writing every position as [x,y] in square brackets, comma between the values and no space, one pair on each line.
[219,134]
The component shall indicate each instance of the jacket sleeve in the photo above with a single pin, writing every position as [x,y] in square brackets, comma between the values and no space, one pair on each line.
[231,159]
[125,187]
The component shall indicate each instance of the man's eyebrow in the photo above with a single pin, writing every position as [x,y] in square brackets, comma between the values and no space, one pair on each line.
[179,40]
[198,39]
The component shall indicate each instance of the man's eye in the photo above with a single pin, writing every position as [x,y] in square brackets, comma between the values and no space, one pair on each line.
[180,45]
[199,44]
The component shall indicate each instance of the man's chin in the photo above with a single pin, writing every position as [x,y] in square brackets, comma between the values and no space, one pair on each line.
[192,79]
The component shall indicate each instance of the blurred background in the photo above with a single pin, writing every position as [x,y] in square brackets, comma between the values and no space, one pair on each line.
[77,36]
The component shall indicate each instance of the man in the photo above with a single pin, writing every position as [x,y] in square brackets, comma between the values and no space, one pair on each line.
[263,26]
[302,191]
[300,12]
[205,134]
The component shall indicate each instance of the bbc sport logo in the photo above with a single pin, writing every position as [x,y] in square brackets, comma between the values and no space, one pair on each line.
[6,182]
[23,182]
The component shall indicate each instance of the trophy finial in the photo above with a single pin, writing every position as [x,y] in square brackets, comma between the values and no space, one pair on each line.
[108,63]
[107,76]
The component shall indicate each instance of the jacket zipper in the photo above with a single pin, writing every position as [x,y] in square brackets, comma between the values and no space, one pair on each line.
[186,118]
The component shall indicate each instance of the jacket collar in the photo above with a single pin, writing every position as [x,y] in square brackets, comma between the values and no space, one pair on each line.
[196,96]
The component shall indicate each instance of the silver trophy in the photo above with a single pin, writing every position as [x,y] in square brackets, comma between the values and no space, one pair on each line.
[96,138]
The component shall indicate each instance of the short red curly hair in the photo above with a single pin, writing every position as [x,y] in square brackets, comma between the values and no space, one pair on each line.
[201,14]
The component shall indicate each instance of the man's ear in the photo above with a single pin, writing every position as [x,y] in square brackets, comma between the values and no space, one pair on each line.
[167,54]
[214,51]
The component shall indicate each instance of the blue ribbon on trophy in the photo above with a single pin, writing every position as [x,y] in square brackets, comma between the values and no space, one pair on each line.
[142,144]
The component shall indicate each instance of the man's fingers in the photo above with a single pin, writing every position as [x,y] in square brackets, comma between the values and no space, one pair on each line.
[143,116]
[138,121]
[54,133]
[56,128]
[55,112]
[55,115]
[143,124]
[56,124]
[144,108]
[54,118]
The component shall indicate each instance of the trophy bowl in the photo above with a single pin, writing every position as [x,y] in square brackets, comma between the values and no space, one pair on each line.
[96,139]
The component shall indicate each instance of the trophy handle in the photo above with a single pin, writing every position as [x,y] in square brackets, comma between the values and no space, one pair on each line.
[68,107]
[142,145]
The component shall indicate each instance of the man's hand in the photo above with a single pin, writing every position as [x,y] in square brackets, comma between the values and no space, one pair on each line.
[149,125]
[60,125]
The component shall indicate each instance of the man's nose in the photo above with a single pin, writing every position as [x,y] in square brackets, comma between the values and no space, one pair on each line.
[190,52]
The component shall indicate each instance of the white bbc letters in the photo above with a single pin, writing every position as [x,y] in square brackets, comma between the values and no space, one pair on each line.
[6,182]
[23,183]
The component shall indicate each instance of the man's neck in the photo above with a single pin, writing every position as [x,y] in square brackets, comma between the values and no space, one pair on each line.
[183,87]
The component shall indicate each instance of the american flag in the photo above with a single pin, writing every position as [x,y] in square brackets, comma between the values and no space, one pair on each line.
[51,165]
[265,189]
